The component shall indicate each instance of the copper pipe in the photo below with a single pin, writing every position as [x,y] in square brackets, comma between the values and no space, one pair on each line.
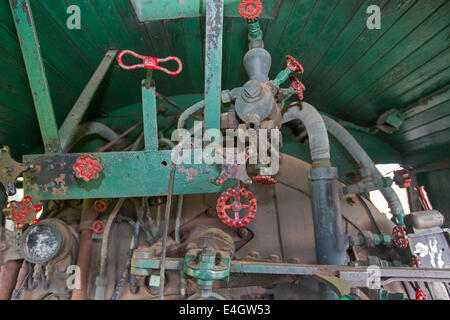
[84,263]
[88,216]
[8,278]
[23,273]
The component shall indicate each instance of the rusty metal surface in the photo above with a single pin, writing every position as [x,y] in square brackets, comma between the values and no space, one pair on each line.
[8,276]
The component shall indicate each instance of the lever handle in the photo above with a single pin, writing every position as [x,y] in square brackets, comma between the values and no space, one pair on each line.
[149,63]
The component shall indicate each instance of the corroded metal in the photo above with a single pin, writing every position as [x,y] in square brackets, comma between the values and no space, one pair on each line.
[213,62]
[10,170]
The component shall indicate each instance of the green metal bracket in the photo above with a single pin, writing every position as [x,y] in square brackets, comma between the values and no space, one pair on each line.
[213,63]
[150,121]
[29,43]
[125,174]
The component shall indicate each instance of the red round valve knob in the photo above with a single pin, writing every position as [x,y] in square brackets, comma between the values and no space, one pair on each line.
[264,180]
[298,86]
[400,237]
[100,206]
[250,9]
[293,64]
[232,200]
[98,227]
[88,167]
[420,295]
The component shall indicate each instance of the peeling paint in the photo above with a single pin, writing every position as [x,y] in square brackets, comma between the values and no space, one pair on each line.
[190,173]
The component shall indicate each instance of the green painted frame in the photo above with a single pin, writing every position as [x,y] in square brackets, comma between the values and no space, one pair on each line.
[125,174]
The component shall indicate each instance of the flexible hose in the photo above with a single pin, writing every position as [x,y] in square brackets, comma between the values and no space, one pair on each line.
[188,112]
[362,158]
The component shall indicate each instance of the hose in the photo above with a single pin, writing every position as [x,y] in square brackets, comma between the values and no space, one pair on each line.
[190,111]
[90,128]
[363,159]
[317,132]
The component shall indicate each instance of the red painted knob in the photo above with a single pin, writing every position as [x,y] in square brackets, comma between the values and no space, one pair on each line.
[293,64]
[420,295]
[250,9]
[100,206]
[298,86]
[88,167]
[264,180]
[239,201]
[98,227]
[400,237]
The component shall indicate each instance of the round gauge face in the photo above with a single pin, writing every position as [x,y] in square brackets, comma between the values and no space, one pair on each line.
[41,243]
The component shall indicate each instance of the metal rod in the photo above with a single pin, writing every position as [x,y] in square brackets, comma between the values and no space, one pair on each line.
[171,102]
[250,267]
[68,128]
[112,143]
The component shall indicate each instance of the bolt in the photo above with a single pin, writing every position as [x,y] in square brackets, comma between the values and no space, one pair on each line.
[243,233]
[252,90]
[293,260]
[274,257]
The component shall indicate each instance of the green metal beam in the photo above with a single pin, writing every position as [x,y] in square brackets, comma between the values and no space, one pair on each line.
[29,43]
[213,63]
[125,174]
[170,9]
[150,120]
[68,128]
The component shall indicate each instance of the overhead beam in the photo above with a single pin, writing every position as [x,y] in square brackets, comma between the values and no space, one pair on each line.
[31,51]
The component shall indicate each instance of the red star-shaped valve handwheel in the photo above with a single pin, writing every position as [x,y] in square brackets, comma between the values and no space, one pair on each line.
[298,86]
[237,200]
[293,64]
[400,237]
[24,212]
[420,295]
[250,9]
[88,167]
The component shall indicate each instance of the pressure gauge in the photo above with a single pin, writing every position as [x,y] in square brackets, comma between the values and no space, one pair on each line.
[45,241]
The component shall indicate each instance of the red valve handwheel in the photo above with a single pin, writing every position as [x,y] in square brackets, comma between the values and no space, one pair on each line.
[298,86]
[264,180]
[293,64]
[88,167]
[149,62]
[98,227]
[400,237]
[230,200]
[250,9]
[415,261]
[24,212]
[420,295]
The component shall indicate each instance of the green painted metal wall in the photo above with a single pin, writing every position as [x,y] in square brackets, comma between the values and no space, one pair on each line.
[350,71]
